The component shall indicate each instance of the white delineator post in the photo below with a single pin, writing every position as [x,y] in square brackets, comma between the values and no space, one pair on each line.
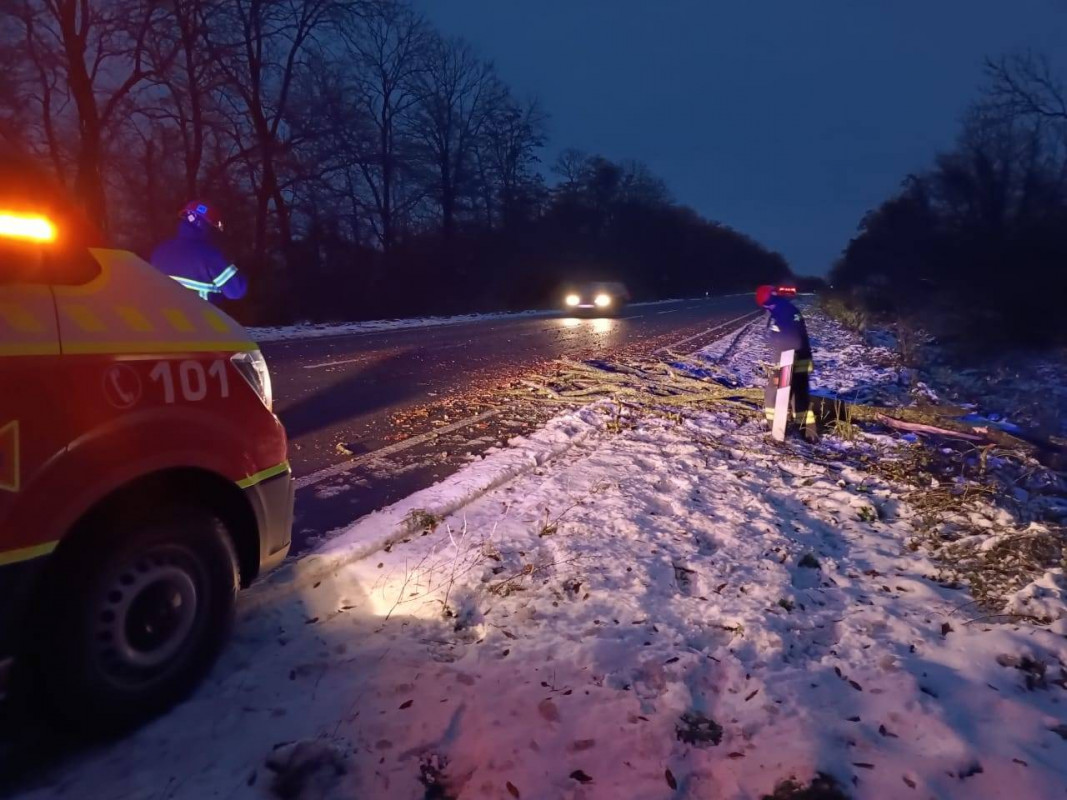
[781,399]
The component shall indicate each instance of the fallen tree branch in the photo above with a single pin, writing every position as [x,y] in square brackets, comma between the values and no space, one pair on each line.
[918,427]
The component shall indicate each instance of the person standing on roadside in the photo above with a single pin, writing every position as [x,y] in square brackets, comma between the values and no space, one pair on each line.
[786,331]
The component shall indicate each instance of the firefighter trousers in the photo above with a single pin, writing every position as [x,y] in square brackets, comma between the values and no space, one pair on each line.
[799,395]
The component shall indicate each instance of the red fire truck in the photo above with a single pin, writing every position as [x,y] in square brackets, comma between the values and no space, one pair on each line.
[143,475]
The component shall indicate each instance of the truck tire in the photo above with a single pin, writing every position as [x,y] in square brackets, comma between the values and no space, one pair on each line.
[140,610]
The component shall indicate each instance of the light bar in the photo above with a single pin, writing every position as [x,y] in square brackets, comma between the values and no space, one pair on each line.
[27,227]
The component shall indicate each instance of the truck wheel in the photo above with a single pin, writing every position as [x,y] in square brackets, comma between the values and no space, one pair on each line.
[141,611]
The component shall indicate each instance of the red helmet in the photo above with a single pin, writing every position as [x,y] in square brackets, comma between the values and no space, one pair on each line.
[200,213]
[764,295]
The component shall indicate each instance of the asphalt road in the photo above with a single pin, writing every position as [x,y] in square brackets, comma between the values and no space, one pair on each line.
[345,398]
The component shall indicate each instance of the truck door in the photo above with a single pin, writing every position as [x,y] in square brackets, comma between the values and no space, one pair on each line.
[33,433]
[32,429]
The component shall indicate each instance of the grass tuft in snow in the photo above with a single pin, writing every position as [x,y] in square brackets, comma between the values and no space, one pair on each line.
[809,561]
[843,425]
[853,317]
[698,730]
[422,521]
[1001,565]
[868,514]
[822,787]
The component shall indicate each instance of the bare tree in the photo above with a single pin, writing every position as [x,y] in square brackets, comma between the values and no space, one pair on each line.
[572,167]
[88,59]
[386,54]
[187,81]
[512,136]
[1024,84]
[457,92]
[262,46]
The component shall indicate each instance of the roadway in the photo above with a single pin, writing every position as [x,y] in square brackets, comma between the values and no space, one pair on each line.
[374,416]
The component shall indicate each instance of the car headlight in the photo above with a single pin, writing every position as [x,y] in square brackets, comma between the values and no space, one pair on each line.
[253,368]
[602,300]
[572,300]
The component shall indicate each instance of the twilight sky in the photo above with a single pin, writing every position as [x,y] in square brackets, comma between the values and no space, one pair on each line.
[784,119]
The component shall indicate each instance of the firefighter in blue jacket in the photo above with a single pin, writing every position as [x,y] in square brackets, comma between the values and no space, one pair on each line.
[193,259]
[786,331]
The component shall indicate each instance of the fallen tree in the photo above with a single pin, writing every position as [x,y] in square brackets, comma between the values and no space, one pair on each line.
[682,384]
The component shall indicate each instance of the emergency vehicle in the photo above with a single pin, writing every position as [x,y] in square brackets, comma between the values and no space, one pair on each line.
[143,475]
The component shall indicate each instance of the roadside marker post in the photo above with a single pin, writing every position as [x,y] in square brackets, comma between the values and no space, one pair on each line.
[781,399]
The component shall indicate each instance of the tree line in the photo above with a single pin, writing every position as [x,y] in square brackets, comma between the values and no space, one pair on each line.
[365,163]
[976,245]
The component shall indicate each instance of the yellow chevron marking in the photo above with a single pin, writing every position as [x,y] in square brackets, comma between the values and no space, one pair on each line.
[84,317]
[20,319]
[216,322]
[178,320]
[134,319]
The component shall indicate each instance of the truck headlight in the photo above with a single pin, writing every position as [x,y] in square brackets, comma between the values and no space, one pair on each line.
[253,368]
[602,300]
[572,300]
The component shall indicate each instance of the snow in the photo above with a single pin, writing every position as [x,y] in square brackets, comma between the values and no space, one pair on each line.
[315,330]
[845,365]
[642,609]
[1028,387]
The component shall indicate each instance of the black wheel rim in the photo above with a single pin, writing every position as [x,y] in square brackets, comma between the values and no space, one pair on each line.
[147,615]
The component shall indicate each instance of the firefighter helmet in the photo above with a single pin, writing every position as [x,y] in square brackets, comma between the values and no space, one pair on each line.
[764,295]
[200,213]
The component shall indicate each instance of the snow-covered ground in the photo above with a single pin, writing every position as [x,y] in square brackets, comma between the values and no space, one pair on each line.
[1027,388]
[640,607]
[315,330]
[846,366]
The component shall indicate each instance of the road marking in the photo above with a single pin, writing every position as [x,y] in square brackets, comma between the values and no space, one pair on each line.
[388,450]
[672,311]
[713,328]
[375,353]
[336,363]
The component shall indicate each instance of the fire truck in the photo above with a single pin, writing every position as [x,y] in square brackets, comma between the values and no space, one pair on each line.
[143,475]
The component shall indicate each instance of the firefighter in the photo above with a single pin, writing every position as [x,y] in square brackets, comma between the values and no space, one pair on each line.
[786,331]
[193,259]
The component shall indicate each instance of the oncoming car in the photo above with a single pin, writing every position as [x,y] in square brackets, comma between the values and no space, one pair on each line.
[143,475]
[602,298]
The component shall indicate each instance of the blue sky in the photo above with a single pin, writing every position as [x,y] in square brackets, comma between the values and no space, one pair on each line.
[786,120]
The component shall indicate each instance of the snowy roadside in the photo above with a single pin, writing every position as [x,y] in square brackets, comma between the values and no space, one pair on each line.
[664,608]
[1023,388]
[316,330]
[846,366]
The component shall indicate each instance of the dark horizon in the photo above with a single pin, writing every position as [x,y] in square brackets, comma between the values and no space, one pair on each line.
[806,119]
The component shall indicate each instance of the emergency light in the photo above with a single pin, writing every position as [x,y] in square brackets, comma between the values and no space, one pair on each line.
[27,227]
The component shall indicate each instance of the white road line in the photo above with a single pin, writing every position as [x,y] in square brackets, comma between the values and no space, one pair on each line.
[703,333]
[370,356]
[388,450]
[336,363]
[672,311]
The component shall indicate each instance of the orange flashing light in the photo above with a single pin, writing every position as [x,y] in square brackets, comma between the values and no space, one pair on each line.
[27,227]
